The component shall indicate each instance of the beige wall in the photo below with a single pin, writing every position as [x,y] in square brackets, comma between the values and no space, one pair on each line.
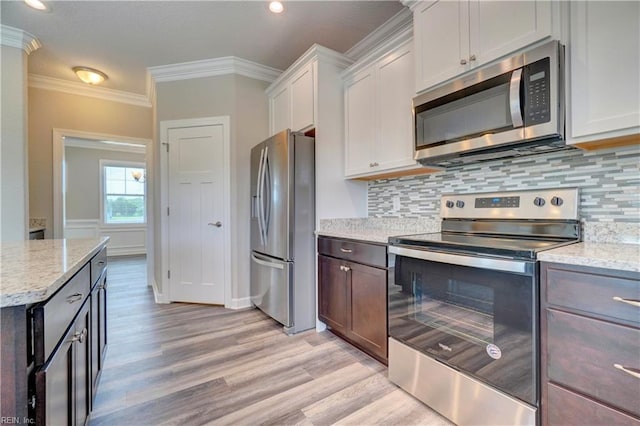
[51,109]
[14,182]
[244,100]
[83,179]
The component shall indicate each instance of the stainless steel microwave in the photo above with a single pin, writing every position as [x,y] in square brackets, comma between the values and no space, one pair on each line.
[511,108]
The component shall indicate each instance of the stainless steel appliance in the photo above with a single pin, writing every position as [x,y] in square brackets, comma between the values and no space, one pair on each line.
[282,226]
[512,108]
[463,304]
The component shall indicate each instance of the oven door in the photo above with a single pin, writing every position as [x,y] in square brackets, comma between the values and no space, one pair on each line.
[475,314]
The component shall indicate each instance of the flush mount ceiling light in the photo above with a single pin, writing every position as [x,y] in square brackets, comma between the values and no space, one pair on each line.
[90,75]
[276,7]
[37,4]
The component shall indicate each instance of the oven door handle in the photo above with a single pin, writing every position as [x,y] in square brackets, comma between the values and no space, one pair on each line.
[516,266]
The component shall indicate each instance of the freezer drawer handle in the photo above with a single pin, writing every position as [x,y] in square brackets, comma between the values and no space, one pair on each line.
[265,263]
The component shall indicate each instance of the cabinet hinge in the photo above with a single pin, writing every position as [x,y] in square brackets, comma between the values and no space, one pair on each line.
[167,210]
[168,274]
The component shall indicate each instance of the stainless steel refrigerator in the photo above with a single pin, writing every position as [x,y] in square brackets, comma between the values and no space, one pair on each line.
[282,229]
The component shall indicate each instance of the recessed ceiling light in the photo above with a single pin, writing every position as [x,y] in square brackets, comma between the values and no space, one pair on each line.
[276,7]
[37,4]
[90,75]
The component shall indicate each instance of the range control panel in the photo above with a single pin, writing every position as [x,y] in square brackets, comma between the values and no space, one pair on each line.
[535,204]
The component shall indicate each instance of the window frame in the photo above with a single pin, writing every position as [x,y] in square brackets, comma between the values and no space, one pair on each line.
[103,192]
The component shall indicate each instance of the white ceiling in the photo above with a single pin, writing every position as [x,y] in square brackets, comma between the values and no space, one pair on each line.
[124,38]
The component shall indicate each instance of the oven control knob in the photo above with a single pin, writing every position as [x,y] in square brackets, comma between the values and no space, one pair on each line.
[556,201]
[539,201]
[449,203]
[460,204]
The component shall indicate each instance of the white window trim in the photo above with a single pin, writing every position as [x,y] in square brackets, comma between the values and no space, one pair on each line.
[117,163]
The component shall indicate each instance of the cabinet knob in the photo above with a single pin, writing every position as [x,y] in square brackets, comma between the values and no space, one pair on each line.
[463,61]
[79,336]
[472,58]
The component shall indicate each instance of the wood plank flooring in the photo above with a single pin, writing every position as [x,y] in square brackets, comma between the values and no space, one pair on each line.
[187,364]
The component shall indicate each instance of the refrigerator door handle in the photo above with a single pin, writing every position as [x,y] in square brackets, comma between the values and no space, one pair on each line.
[266,180]
[259,198]
[265,263]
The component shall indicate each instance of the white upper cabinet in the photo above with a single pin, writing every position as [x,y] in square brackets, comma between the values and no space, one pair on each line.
[452,37]
[604,58]
[378,118]
[279,108]
[302,99]
[292,102]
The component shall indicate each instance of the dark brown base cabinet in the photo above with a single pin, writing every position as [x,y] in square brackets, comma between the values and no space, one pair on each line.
[590,344]
[69,343]
[352,293]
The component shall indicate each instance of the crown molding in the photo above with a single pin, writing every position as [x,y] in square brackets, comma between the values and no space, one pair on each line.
[151,88]
[76,88]
[15,37]
[398,23]
[213,67]
[70,142]
[380,50]
[314,52]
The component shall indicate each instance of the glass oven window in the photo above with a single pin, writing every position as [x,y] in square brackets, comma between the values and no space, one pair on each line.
[476,320]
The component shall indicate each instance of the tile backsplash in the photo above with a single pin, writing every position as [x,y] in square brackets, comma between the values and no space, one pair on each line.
[609,182]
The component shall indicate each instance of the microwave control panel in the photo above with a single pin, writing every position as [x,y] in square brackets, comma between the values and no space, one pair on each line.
[537,93]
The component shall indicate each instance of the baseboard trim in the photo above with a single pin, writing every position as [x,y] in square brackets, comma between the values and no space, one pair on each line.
[239,303]
[159,297]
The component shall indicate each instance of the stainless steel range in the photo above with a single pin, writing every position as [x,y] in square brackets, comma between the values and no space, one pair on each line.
[463,304]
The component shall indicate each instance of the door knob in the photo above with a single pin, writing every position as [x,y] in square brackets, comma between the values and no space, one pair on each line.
[218,224]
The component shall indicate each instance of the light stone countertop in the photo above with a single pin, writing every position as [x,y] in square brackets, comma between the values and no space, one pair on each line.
[376,230]
[618,256]
[32,270]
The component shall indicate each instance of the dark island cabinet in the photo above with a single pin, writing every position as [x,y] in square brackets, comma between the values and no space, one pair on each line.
[590,343]
[352,292]
[69,341]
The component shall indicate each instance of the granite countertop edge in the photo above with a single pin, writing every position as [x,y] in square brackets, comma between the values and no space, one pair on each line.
[616,256]
[45,290]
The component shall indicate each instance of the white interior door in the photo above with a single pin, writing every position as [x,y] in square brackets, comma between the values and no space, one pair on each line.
[196,213]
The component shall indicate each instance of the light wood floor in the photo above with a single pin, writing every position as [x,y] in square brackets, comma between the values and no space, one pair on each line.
[187,364]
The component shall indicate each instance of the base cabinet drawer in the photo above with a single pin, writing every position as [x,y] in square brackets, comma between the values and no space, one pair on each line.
[568,408]
[582,352]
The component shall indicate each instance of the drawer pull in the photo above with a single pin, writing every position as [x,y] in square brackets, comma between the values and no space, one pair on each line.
[101,263]
[629,301]
[74,298]
[79,336]
[632,371]
[344,250]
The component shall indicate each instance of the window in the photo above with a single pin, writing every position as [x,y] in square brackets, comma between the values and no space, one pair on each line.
[123,197]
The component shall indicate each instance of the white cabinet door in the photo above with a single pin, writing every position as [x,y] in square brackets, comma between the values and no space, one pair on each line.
[302,99]
[454,36]
[360,134]
[441,33]
[279,107]
[604,56]
[498,28]
[395,122]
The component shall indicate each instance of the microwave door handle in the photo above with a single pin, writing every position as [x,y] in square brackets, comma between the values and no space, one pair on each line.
[514,98]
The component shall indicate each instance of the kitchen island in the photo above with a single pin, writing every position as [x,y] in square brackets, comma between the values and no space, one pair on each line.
[37,314]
